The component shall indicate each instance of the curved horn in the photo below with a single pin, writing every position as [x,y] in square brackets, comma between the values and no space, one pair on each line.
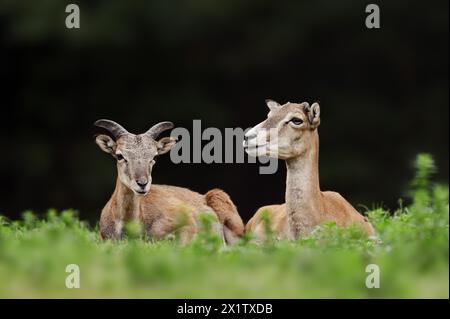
[114,128]
[157,129]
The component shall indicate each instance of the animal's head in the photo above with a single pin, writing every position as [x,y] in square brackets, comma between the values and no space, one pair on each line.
[135,154]
[287,132]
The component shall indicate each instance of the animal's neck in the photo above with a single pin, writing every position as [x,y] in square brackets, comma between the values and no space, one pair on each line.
[126,201]
[303,196]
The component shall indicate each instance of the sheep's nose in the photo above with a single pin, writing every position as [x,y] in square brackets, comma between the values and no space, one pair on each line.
[142,182]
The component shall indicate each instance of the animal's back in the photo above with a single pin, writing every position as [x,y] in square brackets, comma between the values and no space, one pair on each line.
[343,213]
[168,201]
[171,197]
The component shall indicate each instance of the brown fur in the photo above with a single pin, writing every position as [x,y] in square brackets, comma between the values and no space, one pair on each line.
[228,215]
[278,222]
[168,210]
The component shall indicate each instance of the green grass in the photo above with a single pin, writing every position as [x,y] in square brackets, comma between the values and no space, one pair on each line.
[411,250]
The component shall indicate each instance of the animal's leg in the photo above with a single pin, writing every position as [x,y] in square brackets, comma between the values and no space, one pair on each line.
[222,205]
[109,227]
[188,231]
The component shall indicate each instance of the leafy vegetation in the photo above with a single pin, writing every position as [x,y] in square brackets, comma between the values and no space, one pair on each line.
[411,250]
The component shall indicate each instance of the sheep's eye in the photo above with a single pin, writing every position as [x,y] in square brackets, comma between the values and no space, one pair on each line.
[120,157]
[296,121]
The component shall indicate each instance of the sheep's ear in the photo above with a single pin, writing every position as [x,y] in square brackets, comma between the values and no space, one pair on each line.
[165,144]
[106,144]
[272,104]
[314,115]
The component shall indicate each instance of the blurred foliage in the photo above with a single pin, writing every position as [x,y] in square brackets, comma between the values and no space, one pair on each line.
[383,93]
[411,248]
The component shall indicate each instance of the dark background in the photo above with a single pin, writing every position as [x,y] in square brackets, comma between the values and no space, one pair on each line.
[383,93]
